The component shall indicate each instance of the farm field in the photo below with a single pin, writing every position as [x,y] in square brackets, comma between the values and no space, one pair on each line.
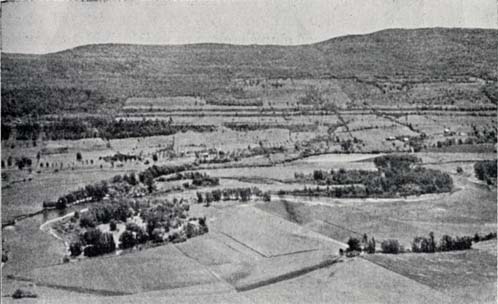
[468,276]
[160,268]
[351,281]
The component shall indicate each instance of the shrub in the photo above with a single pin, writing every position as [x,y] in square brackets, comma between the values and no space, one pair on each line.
[354,244]
[199,197]
[87,220]
[266,197]
[423,244]
[459,170]
[216,195]
[391,246]
[318,175]
[127,240]
[485,169]
[447,243]
[489,236]
[370,248]
[21,293]
[75,248]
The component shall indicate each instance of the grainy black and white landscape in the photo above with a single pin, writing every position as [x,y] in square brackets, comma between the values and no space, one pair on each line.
[361,169]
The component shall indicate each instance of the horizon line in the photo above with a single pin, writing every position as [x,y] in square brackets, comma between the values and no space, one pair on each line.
[250,44]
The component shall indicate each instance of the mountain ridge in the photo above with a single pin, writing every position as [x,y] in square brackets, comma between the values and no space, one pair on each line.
[104,75]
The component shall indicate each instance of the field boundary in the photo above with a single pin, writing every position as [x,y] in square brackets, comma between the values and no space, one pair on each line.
[286,276]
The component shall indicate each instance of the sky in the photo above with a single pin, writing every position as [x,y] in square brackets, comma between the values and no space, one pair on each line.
[48,26]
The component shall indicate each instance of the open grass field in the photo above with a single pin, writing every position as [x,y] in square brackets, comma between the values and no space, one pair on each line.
[350,281]
[469,276]
[160,268]
[250,226]
[469,209]
[39,250]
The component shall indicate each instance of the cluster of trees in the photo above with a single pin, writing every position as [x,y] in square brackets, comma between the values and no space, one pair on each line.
[93,192]
[447,243]
[198,179]
[237,194]
[120,183]
[478,238]
[147,177]
[203,180]
[106,212]
[130,179]
[156,171]
[93,242]
[487,135]
[399,162]
[23,162]
[104,127]
[351,191]
[342,177]
[121,157]
[365,244]
[164,215]
[234,102]
[133,235]
[486,171]
[23,293]
[159,217]
[419,244]
[396,175]
[216,160]
[391,246]
[247,126]
[144,128]
[452,141]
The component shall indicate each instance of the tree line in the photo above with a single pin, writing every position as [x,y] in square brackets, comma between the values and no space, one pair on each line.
[92,127]
[235,194]
[119,183]
[396,175]
[420,244]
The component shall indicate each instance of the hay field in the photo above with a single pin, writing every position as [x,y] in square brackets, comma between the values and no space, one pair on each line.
[157,268]
[268,235]
[469,276]
[351,281]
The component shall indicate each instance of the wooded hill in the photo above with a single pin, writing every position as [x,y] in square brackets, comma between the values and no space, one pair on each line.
[94,78]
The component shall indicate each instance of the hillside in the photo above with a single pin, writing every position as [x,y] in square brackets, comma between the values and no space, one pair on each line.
[100,77]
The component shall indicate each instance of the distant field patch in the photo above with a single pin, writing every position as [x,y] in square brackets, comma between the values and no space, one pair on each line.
[163,102]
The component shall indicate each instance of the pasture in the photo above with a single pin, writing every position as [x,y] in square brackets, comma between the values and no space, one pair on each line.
[160,268]
[468,276]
